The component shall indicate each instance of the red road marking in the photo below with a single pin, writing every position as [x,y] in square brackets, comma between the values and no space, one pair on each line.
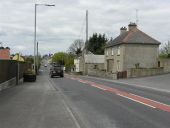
[139,99]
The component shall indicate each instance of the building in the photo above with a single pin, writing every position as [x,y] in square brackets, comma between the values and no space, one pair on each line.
[131,49]
[88,62]
[5,53]
[18,57]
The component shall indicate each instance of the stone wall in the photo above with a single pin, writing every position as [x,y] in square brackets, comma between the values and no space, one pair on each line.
[165,63]
[100,73]
[144,72]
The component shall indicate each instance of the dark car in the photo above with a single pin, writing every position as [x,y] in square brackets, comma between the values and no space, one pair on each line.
[56,70]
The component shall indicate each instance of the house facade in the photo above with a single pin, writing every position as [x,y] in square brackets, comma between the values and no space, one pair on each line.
[87,62]
[132,48]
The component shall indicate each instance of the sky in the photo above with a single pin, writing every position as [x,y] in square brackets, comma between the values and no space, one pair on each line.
[59,26]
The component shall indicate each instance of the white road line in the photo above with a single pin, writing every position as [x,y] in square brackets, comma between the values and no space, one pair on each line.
[150,100]
[136,101]
[98,87]
[72,115]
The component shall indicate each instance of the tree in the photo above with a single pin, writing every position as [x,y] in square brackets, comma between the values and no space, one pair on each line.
[63,58]
[97,43]
[76,47]
[59,58]
[165,51]
[29,59]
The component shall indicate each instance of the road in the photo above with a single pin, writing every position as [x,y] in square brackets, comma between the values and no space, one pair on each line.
[101,104]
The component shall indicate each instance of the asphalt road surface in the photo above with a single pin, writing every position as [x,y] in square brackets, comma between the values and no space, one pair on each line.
[100,104]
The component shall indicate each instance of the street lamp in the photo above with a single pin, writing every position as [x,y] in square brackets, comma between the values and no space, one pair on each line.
[35,40]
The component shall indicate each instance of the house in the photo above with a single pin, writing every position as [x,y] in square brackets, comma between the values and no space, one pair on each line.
[5,53]
[18,57]
[88,62]
[132,48]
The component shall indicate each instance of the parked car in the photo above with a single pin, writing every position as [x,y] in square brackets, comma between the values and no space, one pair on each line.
[56,70]
[45,65]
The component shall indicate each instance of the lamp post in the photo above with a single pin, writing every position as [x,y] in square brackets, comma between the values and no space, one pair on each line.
[35,34]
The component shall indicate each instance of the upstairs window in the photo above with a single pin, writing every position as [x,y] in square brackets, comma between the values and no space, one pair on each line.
[118,51]
[112,51]
[107,52]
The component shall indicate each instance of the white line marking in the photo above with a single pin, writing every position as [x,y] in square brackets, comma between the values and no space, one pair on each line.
[98,87]
[72,115]
[151,100]
[136,101]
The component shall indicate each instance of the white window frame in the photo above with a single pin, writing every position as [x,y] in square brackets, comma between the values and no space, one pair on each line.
[112,51]
[118,65]
[107,52]
[118,50]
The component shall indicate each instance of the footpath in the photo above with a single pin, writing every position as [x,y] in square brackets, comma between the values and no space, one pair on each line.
[34,105]
[158,82]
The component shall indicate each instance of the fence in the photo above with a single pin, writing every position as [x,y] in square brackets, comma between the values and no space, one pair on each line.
[10,69]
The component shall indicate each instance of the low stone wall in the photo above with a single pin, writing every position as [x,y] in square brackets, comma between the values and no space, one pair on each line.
[165,63]
[8,84]
[100,73]
[144,72]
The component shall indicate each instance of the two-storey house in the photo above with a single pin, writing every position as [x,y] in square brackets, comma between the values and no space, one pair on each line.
[130,49]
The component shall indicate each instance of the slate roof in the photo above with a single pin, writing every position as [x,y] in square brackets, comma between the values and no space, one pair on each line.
[94,59]
[134,36]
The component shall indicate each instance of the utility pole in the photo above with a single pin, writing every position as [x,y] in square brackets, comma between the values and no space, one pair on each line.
[35,29]
[37,58]
[85,49]
[35,33]
[86,26]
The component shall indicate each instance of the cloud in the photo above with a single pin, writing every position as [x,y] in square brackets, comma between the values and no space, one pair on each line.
[59,26]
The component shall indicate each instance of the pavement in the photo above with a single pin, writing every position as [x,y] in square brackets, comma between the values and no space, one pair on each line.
[158,82]
[34,105]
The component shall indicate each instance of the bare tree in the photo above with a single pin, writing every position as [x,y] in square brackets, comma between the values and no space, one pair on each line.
[76,47]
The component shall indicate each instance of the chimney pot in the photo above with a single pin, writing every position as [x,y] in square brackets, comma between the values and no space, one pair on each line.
[132,26]
[123,30]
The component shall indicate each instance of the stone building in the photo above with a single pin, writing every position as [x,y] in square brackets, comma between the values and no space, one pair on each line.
[132,48]
[88,62]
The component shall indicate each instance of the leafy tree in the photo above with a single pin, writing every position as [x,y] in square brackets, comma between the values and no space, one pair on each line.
[59,57]
[63,58]
[97,43]
[76,47]
[29,59]
[165,51]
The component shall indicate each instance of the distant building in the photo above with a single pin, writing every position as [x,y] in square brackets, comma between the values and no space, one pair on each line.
[88,62]
[5,53]
[18,57]
[132,48]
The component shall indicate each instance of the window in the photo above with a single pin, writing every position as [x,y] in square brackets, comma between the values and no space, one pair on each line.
[118,65]
[118,50]
[95,66]
[112,51]
[107,52]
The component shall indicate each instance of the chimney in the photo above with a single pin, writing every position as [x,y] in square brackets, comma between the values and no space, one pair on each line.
[132,26]
[123,30]
[5,53]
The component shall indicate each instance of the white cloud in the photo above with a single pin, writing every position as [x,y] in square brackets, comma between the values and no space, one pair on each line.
[59,26]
